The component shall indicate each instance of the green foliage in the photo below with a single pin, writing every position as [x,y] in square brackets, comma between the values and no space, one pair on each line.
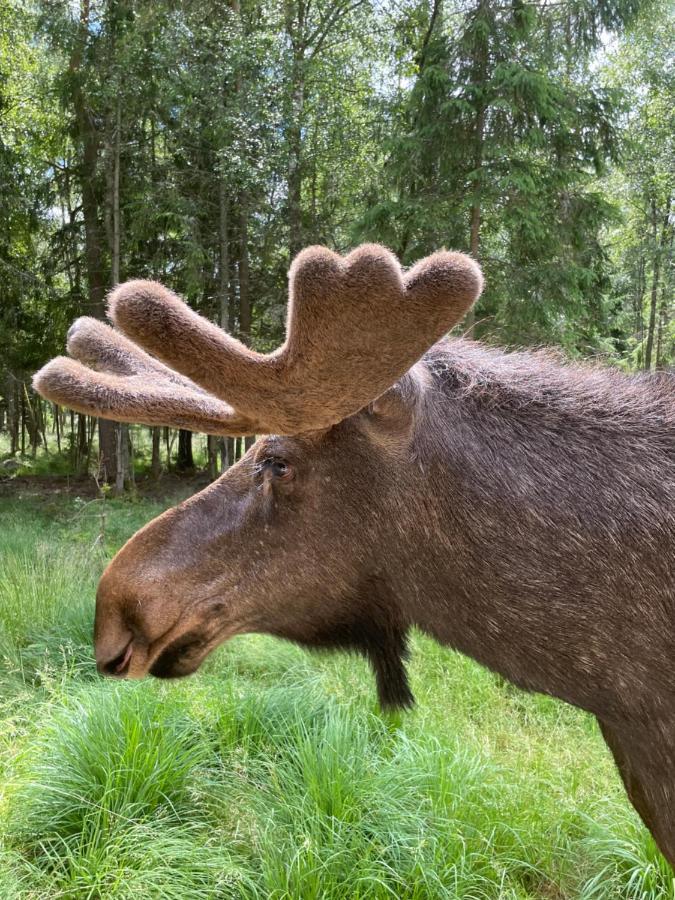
[250,130]
[641,242]
[498,148]
[105,762]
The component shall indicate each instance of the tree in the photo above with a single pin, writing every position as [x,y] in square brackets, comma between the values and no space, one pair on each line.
[641,244]
[501,141]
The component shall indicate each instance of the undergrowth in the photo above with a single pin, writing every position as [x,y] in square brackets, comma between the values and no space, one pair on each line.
[271,773]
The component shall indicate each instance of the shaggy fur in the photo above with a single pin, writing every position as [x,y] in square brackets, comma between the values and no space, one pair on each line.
[517,509]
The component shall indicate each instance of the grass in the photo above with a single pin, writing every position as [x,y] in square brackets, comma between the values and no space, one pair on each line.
[271,773]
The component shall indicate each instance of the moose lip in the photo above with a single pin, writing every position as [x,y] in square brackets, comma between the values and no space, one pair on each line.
[119,666]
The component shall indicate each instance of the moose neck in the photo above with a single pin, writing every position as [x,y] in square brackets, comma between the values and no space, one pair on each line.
[540,557]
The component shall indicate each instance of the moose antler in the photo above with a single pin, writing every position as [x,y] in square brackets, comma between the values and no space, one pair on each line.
[355,326]
[128,384]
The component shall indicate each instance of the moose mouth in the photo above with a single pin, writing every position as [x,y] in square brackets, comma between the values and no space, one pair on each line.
[166,659]
[173,662]
[119,666]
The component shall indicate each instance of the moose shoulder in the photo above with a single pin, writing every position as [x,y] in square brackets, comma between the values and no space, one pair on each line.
[518,509]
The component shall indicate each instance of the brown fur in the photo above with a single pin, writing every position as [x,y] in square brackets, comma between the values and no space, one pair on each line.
[517,509]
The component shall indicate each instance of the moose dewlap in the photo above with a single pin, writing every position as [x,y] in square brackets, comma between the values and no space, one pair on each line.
[518,509]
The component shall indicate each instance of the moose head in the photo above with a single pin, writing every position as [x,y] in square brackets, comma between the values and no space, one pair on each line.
[304,536]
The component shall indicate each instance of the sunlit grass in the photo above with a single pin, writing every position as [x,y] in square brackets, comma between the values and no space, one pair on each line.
[271,774]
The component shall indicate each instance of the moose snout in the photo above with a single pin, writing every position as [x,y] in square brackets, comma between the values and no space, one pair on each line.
[113,637]
[159,607]
[115,643]
[135,612]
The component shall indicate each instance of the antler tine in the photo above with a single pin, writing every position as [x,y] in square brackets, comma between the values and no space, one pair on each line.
[129,385]
[156,319]
[355,325]
[100,347]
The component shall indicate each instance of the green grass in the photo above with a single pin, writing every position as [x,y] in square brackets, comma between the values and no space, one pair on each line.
[271,773]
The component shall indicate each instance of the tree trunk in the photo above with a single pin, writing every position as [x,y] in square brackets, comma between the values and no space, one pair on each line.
[244,278]
[57,426]
[295,115]
[661,355]
[638,297]
[656,270]
[13,415]
[23,423]
[480,76]
[184,460]
[226,453]
[212,452]
[130,456]
[245,309]
[167,448]
[89,141]
[82,448]
[122,435]
[474,238]
[224,258]
[87,137]
[107,450]
[156,463]
[659,242]
[39,420]
[233,303]
[122,438]
[224,445]
[71,438]
[295,240]
[31,421]
[225,314]
[115,250]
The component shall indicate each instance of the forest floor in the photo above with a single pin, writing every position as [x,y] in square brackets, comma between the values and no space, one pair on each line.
[271,773]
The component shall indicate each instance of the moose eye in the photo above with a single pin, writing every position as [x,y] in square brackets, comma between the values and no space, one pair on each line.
[280,469]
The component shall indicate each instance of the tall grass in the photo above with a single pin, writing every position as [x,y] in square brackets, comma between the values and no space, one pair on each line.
[271,774]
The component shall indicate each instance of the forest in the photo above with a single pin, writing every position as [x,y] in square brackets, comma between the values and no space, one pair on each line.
[203,144]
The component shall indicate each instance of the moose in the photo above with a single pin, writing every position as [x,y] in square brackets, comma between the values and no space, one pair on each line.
[516,508]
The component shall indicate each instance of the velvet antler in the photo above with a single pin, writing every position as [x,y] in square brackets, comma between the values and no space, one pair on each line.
[355,326]
[119,381]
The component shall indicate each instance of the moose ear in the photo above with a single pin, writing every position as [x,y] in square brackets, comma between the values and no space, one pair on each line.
[392,416]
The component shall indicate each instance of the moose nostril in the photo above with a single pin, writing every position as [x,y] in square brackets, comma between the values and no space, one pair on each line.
[118,666]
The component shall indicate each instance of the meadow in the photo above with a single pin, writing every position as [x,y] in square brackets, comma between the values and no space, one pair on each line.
[272,773]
